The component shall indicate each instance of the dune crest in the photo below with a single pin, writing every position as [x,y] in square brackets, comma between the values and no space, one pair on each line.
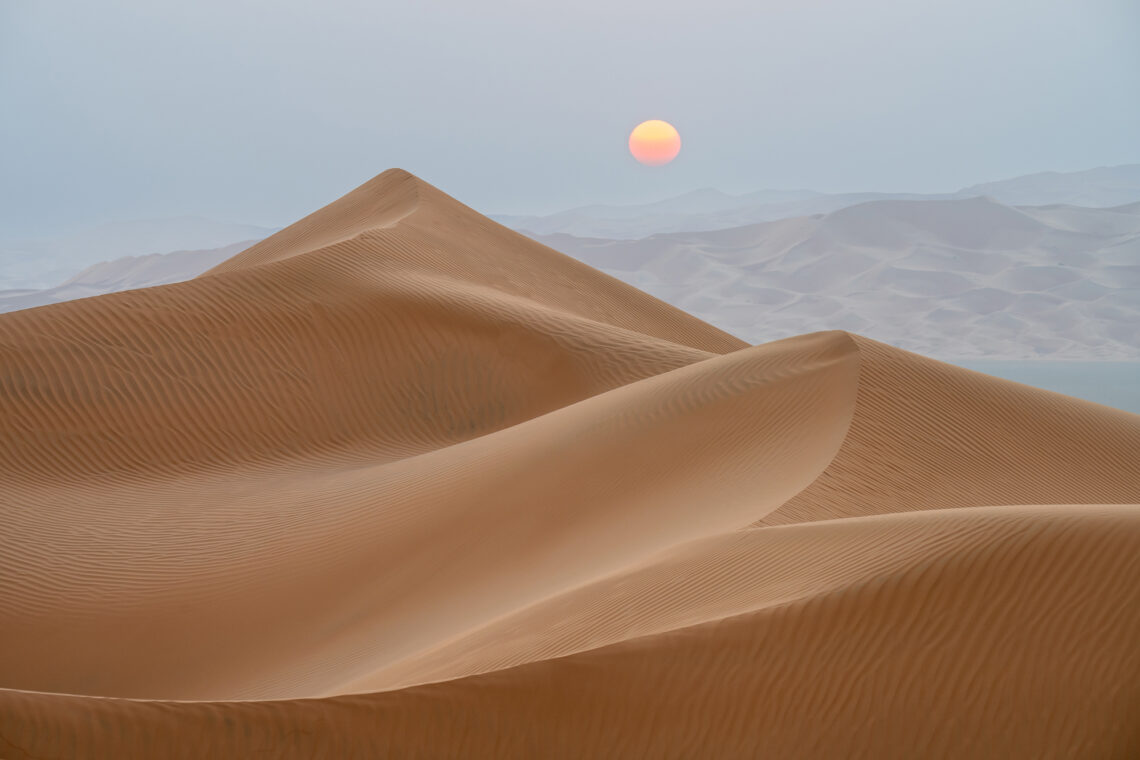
[397,480]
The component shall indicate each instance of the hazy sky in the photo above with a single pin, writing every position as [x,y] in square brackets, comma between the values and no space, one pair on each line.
[262,110]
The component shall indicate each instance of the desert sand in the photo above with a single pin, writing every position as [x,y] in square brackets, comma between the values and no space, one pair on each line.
[399,482]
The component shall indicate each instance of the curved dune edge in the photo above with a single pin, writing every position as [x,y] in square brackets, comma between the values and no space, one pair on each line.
[929,435]
[518,508]
[476,527]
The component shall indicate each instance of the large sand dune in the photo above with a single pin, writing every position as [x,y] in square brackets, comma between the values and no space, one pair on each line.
[397,481]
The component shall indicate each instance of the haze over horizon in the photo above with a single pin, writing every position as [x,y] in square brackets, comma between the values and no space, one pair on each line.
[256,112]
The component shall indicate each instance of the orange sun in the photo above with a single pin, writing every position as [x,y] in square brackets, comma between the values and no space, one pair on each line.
[654,142]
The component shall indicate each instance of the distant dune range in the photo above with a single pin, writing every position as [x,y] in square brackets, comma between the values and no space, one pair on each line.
[398,481]
[959,279]
[711,209]
[32,265]
[124,273]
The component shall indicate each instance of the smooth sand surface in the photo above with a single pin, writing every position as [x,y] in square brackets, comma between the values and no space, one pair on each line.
[397,481]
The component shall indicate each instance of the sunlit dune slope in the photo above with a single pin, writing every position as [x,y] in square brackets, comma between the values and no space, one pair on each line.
[405,483]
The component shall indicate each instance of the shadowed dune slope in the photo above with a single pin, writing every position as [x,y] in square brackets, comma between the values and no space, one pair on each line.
[398,481]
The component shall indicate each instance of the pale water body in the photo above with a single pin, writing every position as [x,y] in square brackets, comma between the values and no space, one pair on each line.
[1110,383]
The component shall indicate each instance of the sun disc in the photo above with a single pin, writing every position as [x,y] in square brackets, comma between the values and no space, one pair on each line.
[654,142]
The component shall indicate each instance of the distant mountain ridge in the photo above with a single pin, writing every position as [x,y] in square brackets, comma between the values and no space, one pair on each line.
[45,263]
[126,273]
[710,209]
[1103,187]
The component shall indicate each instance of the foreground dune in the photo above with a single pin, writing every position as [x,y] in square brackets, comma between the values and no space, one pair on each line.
[398,481]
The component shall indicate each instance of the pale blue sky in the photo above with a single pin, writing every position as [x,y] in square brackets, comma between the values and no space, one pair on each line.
[260,111]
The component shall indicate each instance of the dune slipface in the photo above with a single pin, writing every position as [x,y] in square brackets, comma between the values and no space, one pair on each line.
[397,481]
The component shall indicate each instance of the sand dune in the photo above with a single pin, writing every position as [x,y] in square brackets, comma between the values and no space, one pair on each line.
[397,481]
